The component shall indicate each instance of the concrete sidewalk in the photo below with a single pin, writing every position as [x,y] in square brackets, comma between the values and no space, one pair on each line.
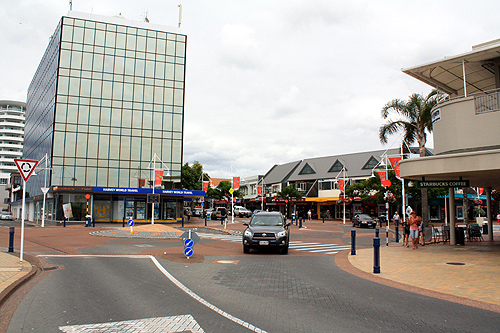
[12,271]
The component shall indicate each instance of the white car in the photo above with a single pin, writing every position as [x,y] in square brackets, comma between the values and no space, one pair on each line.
[242,211]
[5,216]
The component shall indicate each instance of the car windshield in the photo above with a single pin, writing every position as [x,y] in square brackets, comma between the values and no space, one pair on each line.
[266,220]
[364,217]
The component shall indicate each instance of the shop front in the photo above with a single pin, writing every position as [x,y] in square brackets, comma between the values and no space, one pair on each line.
[109,204]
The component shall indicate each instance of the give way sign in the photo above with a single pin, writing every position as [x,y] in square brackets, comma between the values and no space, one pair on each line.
[25,167]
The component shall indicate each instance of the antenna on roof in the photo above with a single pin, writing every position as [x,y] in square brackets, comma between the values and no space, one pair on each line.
[146,17]
[180,14]
[70,4]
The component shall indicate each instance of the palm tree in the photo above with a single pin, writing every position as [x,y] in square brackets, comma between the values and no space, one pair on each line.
[414,120]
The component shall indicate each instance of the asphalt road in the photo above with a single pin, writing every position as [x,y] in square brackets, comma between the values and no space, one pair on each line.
[271,292]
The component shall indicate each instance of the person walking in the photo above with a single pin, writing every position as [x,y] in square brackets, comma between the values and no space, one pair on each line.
[406,232]
[309,215]
[415,222]
[395,219]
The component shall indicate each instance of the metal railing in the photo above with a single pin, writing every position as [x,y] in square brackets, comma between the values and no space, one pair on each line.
[487,101]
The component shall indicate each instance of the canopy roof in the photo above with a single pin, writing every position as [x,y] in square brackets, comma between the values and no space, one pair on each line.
[448,74]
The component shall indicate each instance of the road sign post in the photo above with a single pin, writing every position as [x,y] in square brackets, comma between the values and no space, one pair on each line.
[189,240]
[131,224]
[26,168]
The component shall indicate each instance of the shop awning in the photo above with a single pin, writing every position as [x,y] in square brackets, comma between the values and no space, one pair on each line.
[322,199]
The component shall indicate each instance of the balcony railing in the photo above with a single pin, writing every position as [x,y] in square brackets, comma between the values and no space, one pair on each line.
[487,101]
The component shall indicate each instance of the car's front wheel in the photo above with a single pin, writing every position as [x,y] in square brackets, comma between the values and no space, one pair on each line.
[246,249]
[284,250]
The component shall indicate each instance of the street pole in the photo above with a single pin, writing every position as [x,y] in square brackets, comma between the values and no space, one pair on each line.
[44,190]
[343,176]
[22,221]
[154,185]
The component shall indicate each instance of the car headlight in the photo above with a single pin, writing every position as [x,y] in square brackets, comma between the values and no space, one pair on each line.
[247,233]
[282,233]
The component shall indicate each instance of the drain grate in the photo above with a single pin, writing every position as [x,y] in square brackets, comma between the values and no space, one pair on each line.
[51,268]
[456,263]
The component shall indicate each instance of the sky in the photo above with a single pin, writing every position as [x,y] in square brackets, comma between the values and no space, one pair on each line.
[271,82]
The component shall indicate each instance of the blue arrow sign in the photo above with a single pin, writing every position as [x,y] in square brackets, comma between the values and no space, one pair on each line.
[130,222]
[188,252]
[188,243]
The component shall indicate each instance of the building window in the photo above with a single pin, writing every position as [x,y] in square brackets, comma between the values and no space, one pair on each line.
[372,163]
[336,167]
[307,170]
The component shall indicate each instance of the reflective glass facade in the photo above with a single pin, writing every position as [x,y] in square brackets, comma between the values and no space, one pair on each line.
[107,97]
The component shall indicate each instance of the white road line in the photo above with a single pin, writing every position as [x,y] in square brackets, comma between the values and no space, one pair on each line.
[204,302]
[174,281]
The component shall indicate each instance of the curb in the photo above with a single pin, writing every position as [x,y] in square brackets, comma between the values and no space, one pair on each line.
[7,292]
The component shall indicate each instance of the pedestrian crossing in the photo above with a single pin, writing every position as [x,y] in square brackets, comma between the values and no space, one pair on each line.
[294,245]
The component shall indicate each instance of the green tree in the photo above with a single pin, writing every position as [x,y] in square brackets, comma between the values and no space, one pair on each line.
[191,176]
[222,190]
[289,192]
[413,119]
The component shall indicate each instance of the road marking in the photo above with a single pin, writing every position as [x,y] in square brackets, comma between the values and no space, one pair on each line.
[294,245]
[204,302]
[183,323]
[174,281]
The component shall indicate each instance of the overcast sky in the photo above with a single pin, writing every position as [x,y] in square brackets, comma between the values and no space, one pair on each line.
[270,82]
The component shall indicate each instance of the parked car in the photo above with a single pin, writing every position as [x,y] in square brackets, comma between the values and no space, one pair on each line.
[242,211]
[198,212]
[363,220]
[5,215]
[219,211]
[209,212]
[266,229]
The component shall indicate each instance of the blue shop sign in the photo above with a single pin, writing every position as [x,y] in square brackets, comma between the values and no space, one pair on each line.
[123,190]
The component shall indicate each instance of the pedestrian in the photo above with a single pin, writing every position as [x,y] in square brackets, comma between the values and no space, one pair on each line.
[415,222]
[328,214]
[395,219]
[309,215]
[421,234]
[406,232]
[498,217]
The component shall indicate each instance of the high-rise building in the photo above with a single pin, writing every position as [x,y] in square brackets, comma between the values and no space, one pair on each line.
[11,142]
[106,100]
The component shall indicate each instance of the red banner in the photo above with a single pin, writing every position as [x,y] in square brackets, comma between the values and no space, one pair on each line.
[158,177]
[236,183]
[395,165]
[341,184]
[205,186]
[142,183]
[382,175]
[259,190]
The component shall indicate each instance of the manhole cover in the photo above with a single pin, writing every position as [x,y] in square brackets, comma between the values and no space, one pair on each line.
[456,263]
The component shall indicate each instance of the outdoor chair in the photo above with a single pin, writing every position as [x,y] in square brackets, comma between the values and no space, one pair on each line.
[474,232]
[445,232]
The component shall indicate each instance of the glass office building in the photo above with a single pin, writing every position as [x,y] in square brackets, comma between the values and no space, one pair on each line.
[107,97]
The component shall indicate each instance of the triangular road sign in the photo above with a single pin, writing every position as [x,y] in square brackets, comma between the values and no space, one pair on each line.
[25,167]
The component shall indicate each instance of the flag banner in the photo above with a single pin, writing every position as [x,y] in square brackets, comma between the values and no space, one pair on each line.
[236,183]
[158,177]
[259,190]
[395,165]
[382,175]
[341,185]
[205,186]
[142,183]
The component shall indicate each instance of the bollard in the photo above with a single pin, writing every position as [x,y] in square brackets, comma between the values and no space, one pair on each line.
[296,221]
[353,242]
[300,222]
[205,220]
[376,255]
[182,219]
[397,233]
[323,219]
[93,222]
[11,239]
[123,222]
[377,232]
[64,222]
